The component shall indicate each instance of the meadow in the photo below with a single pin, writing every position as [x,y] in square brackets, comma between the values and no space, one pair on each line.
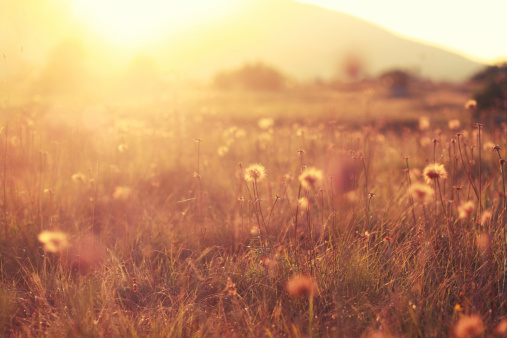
[323,212]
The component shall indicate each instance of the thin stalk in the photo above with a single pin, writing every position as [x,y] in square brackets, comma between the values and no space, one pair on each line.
[479,125]
[410,199]
[466,171]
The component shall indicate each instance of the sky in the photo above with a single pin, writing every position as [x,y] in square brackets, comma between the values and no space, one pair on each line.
[473,28]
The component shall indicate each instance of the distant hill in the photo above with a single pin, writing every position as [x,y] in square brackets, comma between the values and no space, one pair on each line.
[306,41]
[302,41]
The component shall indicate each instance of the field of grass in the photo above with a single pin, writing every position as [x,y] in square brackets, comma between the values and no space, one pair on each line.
[148,218]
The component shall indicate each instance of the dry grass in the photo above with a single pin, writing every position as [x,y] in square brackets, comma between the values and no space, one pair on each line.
[165,237]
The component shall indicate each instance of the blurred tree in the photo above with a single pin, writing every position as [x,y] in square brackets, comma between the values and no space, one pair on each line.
[66,71]
[256,76]
[397,81]
[491,96]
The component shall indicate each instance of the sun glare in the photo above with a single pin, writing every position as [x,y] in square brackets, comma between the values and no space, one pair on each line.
[139,22]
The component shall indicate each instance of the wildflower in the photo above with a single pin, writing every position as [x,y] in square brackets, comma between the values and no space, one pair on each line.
[471,105]
[121,193]
[421,192]
[266,123]
[301,286]
[424,123]
[469,326]
[231,287]
[54,241]
[311,177]
[78,177]
[434,171]
[255,173]
[454,124]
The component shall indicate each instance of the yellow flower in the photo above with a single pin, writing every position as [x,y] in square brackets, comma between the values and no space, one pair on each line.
[311,177]
[54,241]
[255,173]
[434,171]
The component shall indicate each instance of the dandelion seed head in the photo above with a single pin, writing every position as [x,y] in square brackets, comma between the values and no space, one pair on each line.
[471,105]
[311,177]
[424,123]
[490,146]
[303,202]
[121,193]
[266,123]
[501,328]
[302,286]
[434,171]
[486,217]
[123,148]
[222,151]
[79,177]
[469,326]
[54,241]
[255,231]
[466,209]
[421,192]
[454,124]
[255,173]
